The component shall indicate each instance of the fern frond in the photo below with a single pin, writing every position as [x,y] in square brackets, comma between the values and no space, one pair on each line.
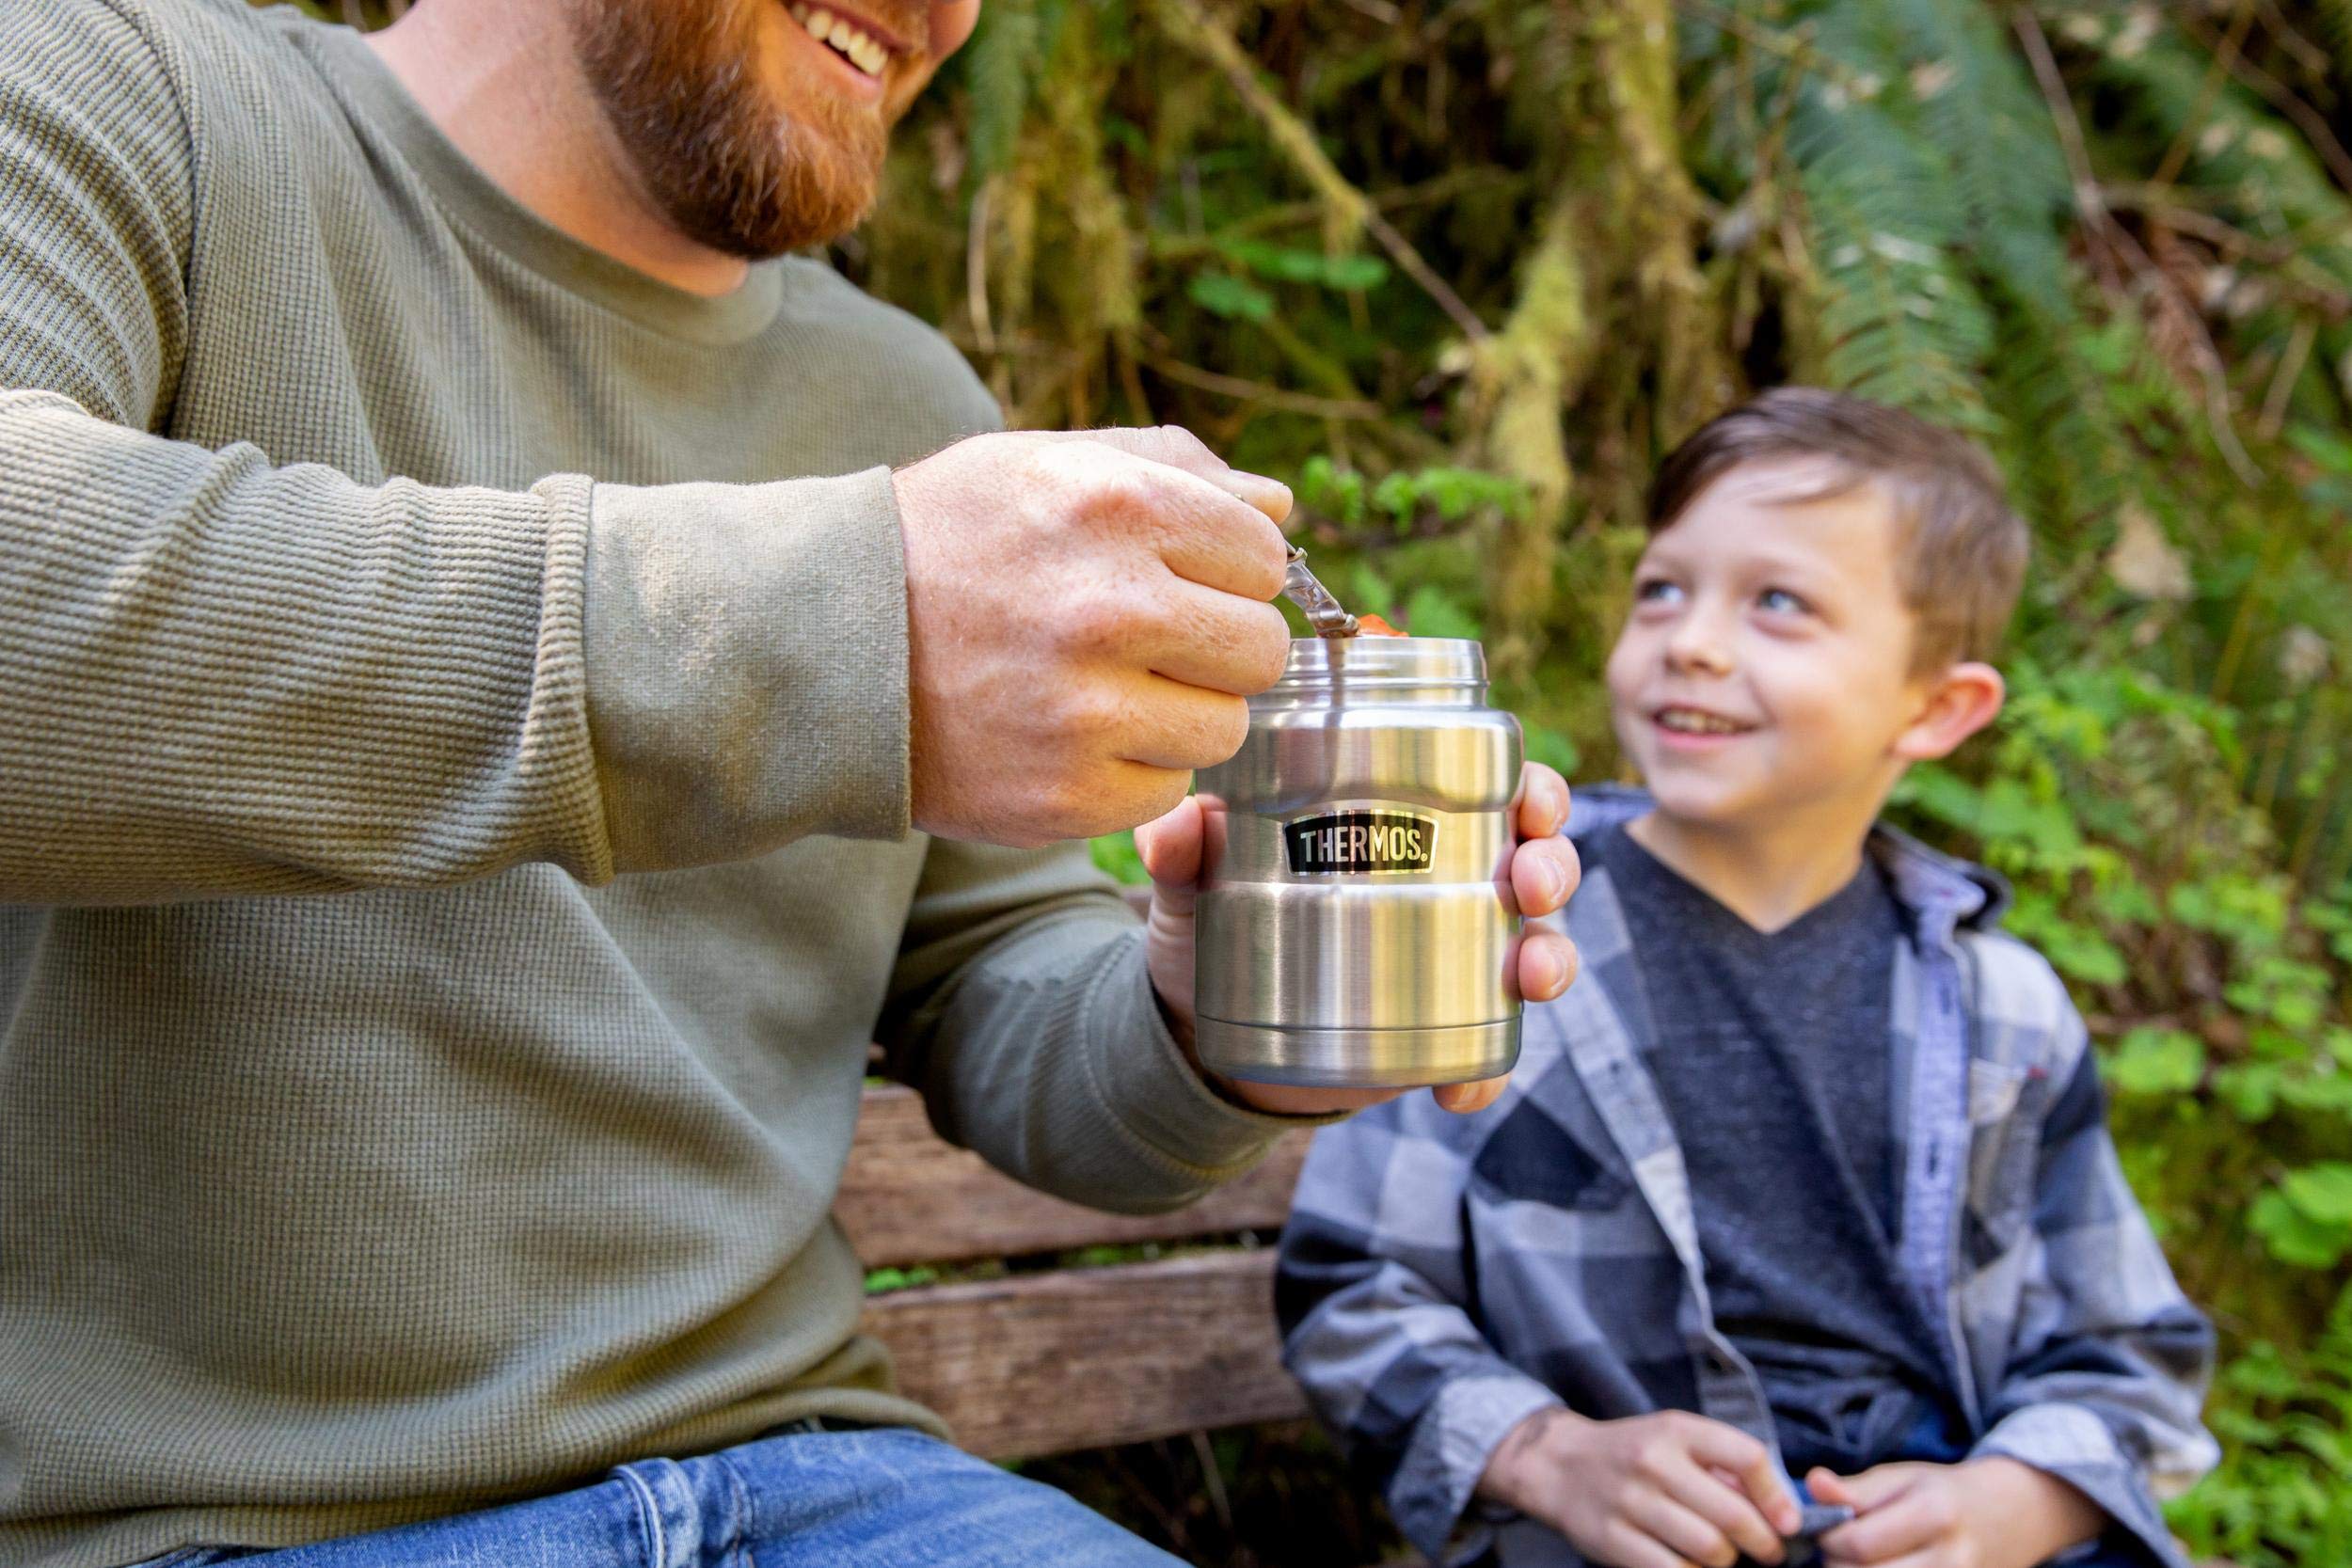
[1000,71]
[1904,322]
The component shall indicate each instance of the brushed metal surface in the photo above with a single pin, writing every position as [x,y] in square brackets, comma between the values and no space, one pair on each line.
[1368,977]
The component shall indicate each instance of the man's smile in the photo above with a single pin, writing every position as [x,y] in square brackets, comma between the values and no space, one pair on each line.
[862,47]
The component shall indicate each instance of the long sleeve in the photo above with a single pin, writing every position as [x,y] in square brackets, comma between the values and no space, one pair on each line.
[1372,1293]
[221,674]
[2109,1365]
[1020,1008]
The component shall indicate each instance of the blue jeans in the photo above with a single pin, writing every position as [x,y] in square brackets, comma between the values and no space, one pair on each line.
[885,1498]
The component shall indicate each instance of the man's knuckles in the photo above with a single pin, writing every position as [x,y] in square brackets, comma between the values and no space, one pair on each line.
[1095,621]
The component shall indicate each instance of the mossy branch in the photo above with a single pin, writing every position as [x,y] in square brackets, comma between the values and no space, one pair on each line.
[1348,212]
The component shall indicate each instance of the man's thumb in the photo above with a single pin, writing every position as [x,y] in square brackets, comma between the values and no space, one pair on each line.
[1170,847]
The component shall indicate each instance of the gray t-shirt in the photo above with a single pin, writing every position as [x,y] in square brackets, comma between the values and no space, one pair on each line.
[1774,1061]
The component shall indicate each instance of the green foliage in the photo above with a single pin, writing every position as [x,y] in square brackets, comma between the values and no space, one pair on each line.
[880,1282]
[2284,1493]
[1883,195]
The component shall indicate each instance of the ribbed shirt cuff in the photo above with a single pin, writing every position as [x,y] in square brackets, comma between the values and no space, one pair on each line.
[746,650]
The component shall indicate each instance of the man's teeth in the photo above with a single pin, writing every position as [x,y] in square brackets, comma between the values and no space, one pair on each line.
[1690,721]
[847,38]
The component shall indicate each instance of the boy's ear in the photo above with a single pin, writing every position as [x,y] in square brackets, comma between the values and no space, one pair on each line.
[1959,703]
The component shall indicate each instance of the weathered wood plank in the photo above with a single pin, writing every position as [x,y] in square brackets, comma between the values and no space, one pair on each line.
[907,1196]
[1042,1363]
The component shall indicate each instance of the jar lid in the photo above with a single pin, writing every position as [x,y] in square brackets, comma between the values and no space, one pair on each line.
[1338,662]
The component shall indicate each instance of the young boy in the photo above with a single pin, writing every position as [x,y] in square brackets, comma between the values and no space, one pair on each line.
[1805,1186]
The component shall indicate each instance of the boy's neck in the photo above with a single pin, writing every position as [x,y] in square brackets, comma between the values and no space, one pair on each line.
[1769,878]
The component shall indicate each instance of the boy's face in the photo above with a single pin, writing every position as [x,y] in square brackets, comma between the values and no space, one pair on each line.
[1765,669]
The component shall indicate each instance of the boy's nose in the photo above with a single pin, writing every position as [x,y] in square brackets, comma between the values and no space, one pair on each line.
[1693,648]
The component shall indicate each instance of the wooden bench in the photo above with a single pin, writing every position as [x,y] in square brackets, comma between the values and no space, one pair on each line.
[1044,1361]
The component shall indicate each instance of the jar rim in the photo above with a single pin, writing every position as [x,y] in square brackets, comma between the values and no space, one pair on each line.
[1340,662]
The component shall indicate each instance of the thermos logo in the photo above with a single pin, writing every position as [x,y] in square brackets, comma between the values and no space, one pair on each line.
[1360,840]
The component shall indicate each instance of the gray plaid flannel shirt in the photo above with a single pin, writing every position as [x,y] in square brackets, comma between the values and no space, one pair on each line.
[1443,1278]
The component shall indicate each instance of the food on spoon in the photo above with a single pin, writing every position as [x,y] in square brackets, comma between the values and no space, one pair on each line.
[1372,625]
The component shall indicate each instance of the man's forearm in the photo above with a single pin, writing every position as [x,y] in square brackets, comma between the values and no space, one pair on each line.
[219,676]
[1046,1051]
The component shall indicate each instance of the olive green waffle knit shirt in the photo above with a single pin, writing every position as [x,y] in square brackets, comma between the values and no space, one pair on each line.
[453,855]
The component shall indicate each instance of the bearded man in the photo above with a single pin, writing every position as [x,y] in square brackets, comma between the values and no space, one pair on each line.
[498,708]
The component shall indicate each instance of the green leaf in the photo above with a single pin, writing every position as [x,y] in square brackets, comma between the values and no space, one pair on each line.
[884,1281]
[1399,496]
[1234,298]
[1431,612]
[2322,1192]
[2157,1061]
[2293,1237]
[2251,1090]
[1293,264]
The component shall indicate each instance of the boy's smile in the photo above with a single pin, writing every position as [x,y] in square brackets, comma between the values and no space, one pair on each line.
[1765,669]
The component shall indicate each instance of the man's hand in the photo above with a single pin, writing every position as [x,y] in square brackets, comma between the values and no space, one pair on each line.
[1658,1491]
[1995,1512]
[1086,617]
[1544,871]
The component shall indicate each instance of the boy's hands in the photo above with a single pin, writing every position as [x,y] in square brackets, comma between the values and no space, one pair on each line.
[1658,1491]
[1544,871]
[1992,1512]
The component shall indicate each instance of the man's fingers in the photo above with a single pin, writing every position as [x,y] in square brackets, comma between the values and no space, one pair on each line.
[1547,964]
[1211,526]
[1291,1100]
[1182,727]
[1542,801]
[1465,1099]
[1215,640]
[1179,448]
[1209,536]
[1544,872]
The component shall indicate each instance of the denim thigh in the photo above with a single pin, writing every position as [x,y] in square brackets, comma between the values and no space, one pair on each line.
[885,1498]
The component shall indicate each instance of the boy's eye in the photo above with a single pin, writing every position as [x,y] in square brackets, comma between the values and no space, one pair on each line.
[1656,590]
[1779,601]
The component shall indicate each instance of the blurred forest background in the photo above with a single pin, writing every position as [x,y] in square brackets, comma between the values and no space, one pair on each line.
[1461,270]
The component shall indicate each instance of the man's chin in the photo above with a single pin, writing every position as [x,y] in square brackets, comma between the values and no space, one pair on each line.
[818,191]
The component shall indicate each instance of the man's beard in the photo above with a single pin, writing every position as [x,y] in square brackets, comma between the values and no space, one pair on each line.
[679,81]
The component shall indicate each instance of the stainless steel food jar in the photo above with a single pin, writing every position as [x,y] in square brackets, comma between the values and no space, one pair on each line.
[1353,927]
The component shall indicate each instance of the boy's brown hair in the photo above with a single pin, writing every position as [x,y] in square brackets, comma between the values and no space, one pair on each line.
[1961,550]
